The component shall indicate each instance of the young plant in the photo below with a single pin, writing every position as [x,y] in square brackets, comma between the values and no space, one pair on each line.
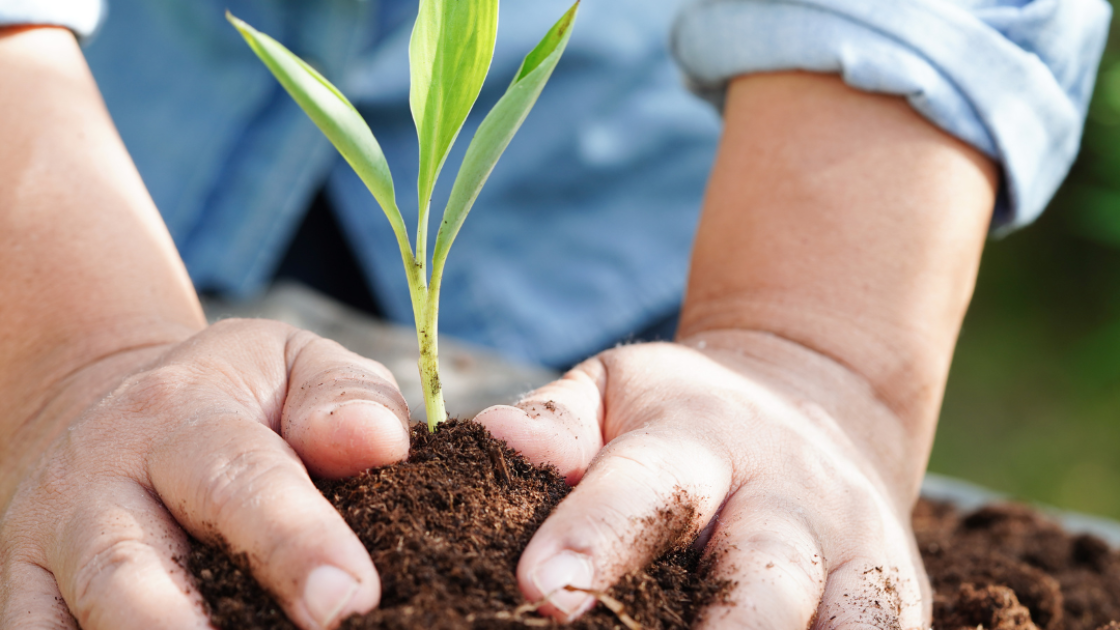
[450,52]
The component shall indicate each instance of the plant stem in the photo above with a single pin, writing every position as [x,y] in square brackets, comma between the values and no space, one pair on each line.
[425,309]
[427,334]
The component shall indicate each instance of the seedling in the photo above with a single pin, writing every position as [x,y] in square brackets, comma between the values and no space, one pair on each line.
[450,52]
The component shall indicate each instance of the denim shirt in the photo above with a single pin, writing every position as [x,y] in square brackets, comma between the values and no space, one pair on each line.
[583,233]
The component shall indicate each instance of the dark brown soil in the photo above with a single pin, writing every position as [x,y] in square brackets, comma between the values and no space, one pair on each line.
[445,530]
[1006,567]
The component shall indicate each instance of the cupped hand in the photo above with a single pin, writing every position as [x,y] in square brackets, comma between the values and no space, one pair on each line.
[215,435]
[799,481]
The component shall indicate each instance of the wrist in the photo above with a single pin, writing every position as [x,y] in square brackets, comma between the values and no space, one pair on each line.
[58,385]
[840,401]
[903,363]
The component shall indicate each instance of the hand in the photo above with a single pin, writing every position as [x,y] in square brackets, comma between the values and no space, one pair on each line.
[783,458]
[836,253]
[215,434]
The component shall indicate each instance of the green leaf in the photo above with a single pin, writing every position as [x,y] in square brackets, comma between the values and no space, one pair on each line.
[335,117]
[449,55]
[496,131]
[554,42]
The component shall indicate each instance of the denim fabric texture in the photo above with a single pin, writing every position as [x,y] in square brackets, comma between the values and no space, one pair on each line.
[583,234]
[1010,77]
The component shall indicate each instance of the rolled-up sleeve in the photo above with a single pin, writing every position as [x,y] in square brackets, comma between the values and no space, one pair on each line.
[81,16]
[1012,78]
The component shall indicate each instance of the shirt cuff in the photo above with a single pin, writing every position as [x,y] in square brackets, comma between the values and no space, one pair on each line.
[1011,79]
[81,16]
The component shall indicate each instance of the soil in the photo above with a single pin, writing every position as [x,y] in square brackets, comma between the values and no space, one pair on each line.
[445,530]
[1007,567]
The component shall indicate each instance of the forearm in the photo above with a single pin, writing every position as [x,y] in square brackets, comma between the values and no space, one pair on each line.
[846,223]
[89,269]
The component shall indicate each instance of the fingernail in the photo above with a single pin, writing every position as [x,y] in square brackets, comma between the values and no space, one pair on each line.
[566,568]
[327,592]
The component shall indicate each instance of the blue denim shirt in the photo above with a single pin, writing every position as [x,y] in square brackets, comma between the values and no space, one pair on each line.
[583,233]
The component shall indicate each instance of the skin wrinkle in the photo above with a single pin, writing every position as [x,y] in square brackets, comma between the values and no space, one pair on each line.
[150,393]
[262,407]
[797,565]
[111,558]
[222,492]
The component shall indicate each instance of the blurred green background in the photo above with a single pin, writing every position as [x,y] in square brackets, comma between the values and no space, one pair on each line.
[1033,402]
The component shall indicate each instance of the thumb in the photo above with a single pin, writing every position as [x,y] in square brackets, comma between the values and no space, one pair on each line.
[343,412]
[559,424]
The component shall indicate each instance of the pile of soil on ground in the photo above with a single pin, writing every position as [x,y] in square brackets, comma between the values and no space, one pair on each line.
[1006,567]
[445,530]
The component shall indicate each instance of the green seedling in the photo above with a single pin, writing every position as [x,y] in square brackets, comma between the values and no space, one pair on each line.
[450,52]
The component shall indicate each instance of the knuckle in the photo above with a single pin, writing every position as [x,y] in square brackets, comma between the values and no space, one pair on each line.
[96,575]
[229,486]
[796,560]
[149,392]
[235,501]
[663,461]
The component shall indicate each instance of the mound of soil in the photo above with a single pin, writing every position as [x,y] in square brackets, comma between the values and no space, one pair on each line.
[1006,567]
[445,530]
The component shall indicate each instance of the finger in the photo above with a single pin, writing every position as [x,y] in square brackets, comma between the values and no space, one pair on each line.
[642,494]
[770,552]
[870,593]
[881,585]
[29,598]
[558,424]
[343,413]
[117,566]
[234,479]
